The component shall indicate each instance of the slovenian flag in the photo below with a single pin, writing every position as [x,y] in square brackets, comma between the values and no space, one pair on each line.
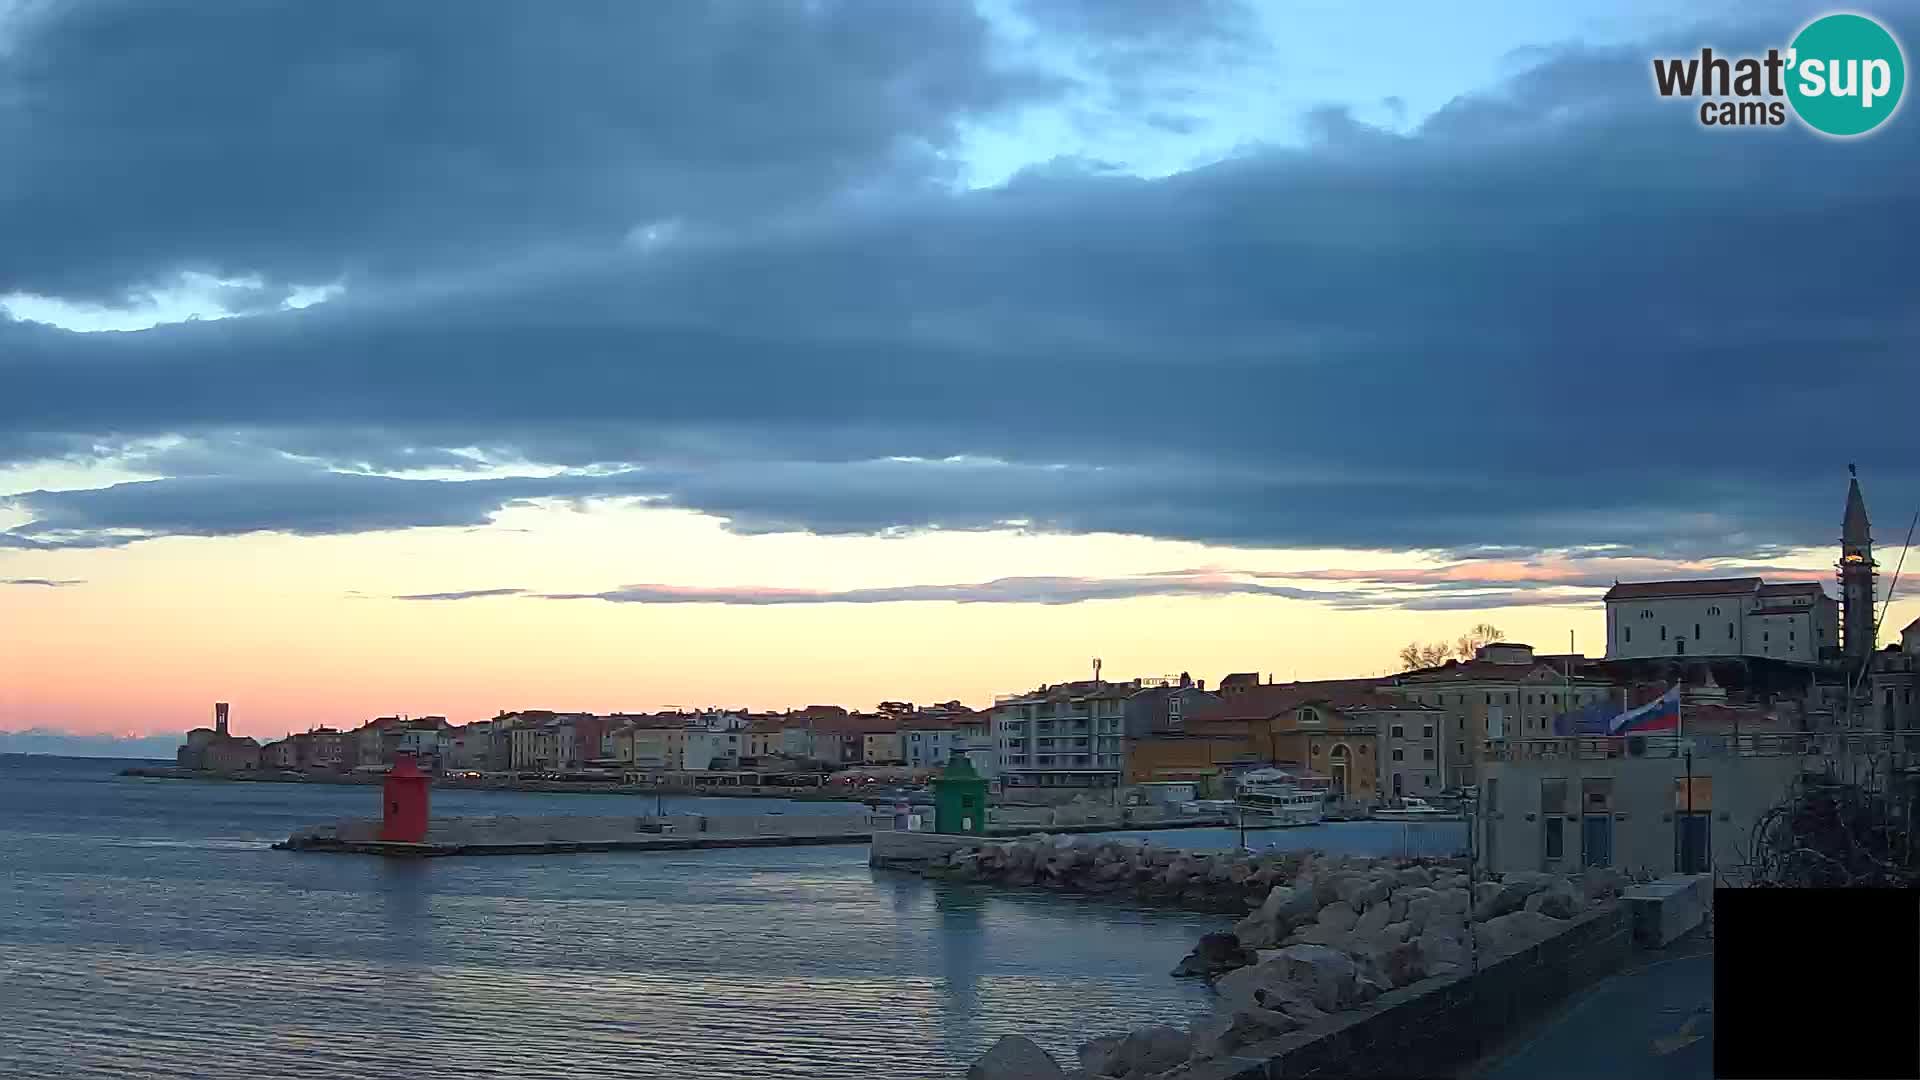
[1659,715]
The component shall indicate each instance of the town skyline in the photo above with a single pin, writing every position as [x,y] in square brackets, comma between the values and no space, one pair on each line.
[989,337]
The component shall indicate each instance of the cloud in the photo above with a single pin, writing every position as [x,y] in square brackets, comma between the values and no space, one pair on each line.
[1557,316]
[1009,590]
[465,594]
[279,140]
[49,583]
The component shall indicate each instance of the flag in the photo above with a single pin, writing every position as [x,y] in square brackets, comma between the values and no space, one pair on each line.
[1662,714]
[1593,719]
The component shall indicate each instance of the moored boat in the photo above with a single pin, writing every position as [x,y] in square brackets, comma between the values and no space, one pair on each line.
[1412,809]
[1272,798]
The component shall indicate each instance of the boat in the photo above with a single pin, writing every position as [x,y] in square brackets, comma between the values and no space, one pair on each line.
[1272,798]
[1412,809]
[1207,807]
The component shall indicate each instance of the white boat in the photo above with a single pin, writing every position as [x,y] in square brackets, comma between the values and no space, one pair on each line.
[1271,798]
[1412,809]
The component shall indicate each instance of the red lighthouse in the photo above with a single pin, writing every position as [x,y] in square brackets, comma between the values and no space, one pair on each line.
[405,803]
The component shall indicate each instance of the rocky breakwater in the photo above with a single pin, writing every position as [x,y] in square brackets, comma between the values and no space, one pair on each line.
[1334,937]
[1226,882]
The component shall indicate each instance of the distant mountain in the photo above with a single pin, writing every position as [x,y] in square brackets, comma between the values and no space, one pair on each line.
[68,744]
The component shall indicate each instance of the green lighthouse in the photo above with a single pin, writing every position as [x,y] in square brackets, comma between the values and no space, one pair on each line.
[960,798]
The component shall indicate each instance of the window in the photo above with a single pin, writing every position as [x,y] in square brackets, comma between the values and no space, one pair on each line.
[1426,731]
[1553,796]
[1427,780]
[1696,631]
[1316,751]
[1626,633]
[1398,754]
[1427,754]
[1553,832]
[1506,699]
[1489,699]
[1459,749]
[1399,731]
[1713,611]
[1646,613]
[1663,632]
[1763,635]
[1729,631]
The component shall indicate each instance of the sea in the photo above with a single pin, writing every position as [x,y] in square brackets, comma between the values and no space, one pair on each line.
[148,929]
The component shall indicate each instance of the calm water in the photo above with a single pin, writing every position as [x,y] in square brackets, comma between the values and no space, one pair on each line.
[147,930]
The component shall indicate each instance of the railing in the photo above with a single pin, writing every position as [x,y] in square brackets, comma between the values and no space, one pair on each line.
[1762,744]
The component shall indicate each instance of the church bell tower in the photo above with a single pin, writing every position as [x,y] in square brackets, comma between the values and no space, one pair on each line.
[1856,575]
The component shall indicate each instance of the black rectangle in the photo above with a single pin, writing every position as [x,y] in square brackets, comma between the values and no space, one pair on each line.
[1816,982]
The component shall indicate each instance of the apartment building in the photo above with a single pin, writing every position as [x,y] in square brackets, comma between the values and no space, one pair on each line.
[1064,735]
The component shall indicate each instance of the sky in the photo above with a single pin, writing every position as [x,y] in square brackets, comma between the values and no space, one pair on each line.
[450,358]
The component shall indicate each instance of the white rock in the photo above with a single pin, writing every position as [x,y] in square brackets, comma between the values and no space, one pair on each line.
[1338,916]
[1372,922]
[1326,973]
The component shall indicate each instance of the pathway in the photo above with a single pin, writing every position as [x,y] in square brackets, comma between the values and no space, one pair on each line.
[1653,1019]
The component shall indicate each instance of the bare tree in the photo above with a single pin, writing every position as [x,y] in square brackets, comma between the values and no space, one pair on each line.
[1414,655]
[1470,642]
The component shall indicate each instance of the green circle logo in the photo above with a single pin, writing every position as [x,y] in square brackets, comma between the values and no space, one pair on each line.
[1845,74]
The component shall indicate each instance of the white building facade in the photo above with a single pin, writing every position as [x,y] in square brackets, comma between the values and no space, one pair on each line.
[1073,735]
[1721,617]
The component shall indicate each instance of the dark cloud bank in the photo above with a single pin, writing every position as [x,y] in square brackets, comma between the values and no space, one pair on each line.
[1558,315]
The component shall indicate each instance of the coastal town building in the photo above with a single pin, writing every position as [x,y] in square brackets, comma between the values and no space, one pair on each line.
[927,741]
[1341,730]
[1161,705]
[1741,616]
[1503,692]
[217,749]
[1064,735]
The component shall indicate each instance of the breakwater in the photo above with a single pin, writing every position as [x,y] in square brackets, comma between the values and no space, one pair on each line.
[1318,939]
[579,834]
[544,787]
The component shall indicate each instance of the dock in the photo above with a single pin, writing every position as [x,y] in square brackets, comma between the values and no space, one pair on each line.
[580,834]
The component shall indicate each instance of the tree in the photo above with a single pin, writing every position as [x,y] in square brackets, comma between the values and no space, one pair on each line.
[1414,655]
[1469,643]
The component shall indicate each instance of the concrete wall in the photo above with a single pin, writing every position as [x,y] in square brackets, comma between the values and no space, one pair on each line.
[1435,1027]
[1513,826]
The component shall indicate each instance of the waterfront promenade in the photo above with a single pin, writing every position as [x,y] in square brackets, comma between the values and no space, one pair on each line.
[1652,1019]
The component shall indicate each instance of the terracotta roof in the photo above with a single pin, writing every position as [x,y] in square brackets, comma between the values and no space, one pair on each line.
[1648,590]
[927,723]
[1487,671]
[1914,625]
[1792,588]
[1241,678]
[1341,695]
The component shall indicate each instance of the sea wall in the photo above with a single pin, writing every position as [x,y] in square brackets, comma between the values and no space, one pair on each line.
[1346,966]
[1434,1027]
